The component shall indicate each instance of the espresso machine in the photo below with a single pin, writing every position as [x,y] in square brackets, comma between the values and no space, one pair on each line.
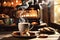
[30,13]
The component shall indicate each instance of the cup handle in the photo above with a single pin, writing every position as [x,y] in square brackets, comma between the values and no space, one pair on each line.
[29,27]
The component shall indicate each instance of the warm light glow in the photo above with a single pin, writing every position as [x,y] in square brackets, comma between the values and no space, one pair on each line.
[12,3]
[57,11]
[54,21]
[55,14]
[23,16]
[9,4]
[34,15]
[33,23]
[31,15]
[20,4]
[4,2]
[27,15]
[55,3]
[58,1]
[16,1]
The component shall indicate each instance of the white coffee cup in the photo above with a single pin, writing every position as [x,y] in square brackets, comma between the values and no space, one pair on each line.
[23,27]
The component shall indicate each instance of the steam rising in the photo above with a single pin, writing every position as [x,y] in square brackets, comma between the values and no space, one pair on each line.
[48,3]
[23,8]
[21,18]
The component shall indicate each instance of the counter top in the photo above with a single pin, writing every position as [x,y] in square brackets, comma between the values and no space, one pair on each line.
[8,36]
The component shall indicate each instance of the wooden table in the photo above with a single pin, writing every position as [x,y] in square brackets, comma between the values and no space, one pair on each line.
[8,36]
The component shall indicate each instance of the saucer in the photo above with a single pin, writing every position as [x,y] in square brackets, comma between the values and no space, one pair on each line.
[43,36]
[17,34]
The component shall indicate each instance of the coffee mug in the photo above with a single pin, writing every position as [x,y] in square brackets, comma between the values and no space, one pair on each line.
[23,27]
